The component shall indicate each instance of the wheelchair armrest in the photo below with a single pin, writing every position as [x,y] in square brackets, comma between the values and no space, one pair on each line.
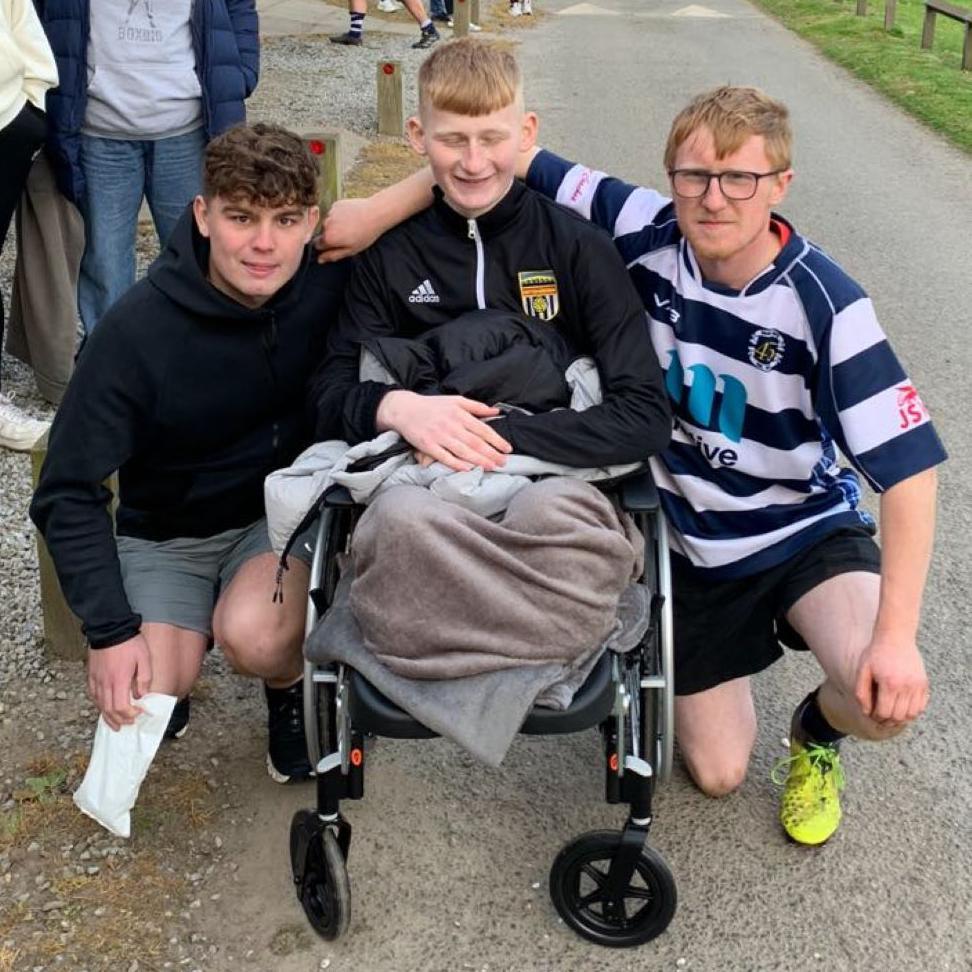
[337,497]
[638,494]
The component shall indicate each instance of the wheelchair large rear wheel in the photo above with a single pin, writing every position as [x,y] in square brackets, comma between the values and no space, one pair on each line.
[578,887]
[320,875]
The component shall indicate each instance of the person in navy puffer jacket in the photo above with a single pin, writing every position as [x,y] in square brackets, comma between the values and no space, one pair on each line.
[143,86]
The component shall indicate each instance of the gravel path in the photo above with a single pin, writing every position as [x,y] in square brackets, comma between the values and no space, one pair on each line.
[305,84]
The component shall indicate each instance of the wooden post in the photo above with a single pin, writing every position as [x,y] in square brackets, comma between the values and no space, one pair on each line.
[326,146]
[62,629]
[460,17]
[474,13]
[861,8]
[928,31]
[890,8]
[391,118]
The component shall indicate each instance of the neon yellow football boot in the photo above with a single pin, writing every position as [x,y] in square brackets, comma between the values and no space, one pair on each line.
[810,804]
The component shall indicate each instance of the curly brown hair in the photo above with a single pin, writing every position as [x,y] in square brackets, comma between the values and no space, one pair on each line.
[263,164]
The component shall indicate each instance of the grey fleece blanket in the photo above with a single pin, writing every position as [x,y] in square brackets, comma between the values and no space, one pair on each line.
[443,592]
[482,713]
[465,621]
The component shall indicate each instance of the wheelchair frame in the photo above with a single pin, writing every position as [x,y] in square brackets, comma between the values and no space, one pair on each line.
[638,741]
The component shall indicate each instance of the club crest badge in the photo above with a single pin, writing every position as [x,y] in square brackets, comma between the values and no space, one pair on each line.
[766,347]
[538,294]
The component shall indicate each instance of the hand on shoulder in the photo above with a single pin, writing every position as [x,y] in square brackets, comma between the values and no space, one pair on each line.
[351,225]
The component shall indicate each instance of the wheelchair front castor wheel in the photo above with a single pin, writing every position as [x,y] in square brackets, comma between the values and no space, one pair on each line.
[320,875]
[581,893]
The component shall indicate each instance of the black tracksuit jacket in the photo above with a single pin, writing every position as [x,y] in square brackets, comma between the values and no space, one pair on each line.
[526,255]
[194,399]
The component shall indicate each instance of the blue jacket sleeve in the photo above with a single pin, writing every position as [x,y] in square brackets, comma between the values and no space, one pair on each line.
[246,28]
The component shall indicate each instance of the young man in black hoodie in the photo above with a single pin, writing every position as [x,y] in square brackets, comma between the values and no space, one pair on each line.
[193,389]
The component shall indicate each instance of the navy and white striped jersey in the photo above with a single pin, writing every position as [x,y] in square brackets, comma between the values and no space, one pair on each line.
[766,383]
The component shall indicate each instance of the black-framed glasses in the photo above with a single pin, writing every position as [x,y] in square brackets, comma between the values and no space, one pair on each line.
[694,183]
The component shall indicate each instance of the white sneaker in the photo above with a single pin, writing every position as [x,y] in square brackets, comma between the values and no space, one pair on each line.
[527,8]
[389,6]
[474,27]
[18,430]
[516,8]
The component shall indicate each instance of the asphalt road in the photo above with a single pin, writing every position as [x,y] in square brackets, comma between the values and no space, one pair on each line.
[446,853]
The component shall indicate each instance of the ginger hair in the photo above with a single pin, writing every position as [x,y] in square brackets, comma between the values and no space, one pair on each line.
[734,114]
[469,77]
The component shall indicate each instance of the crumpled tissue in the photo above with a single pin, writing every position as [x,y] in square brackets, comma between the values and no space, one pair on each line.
[119,762]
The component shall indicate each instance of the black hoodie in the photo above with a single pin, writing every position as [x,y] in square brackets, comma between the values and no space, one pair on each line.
[193,398]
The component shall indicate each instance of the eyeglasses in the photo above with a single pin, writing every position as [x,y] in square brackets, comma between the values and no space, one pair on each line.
[694,183]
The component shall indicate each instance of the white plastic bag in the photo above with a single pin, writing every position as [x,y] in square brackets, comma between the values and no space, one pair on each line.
[119,762]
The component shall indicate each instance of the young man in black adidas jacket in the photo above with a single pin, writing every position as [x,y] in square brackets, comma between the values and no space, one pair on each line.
[490,242]
[193,387]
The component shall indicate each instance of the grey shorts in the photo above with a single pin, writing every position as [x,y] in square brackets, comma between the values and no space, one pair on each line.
[178,581]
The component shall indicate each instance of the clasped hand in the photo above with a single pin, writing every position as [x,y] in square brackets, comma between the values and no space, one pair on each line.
[445,428]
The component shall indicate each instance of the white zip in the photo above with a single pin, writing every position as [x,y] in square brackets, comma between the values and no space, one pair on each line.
[480,265]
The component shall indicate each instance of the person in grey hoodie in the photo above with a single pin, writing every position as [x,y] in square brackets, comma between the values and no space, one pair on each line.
[144,86]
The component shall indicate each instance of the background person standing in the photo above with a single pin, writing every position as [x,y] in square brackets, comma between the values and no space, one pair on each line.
[357,10]
[27,70]
[144,86]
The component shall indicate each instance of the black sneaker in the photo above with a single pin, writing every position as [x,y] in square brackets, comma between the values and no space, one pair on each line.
[287,750]
[351,40]
[442,18]
[429,37]
[178,721]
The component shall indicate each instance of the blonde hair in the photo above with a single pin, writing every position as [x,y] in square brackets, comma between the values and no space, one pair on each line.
[732,115]
[469,77]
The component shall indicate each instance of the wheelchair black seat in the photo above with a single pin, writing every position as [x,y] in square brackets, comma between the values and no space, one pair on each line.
[372,712]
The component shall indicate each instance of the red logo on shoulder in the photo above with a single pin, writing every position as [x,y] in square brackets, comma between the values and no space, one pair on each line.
[581,185]
[911,409]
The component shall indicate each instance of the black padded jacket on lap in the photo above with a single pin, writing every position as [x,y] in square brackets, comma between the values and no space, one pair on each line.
[527,256]
[193,398]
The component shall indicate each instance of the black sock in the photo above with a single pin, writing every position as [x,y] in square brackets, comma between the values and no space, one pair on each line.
[812,723]
[357,24]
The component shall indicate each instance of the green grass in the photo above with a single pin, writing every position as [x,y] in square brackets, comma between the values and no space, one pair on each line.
[928,84]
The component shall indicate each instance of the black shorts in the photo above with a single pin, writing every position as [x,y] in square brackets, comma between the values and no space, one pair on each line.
[728,629]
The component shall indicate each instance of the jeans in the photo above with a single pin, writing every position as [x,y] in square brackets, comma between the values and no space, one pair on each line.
[440,8]
[118,173]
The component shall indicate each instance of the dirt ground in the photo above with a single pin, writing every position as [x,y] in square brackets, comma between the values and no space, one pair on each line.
[73,896]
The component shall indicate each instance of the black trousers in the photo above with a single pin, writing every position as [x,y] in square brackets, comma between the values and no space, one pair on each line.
[19,143]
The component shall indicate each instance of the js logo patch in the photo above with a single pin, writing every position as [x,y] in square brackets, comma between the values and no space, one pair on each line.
[911,409]
[538,294]
[766,348]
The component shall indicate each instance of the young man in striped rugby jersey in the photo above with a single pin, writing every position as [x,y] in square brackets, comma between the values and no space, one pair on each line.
[773,360]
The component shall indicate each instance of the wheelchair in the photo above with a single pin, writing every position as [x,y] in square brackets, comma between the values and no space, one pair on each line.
[609,887]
